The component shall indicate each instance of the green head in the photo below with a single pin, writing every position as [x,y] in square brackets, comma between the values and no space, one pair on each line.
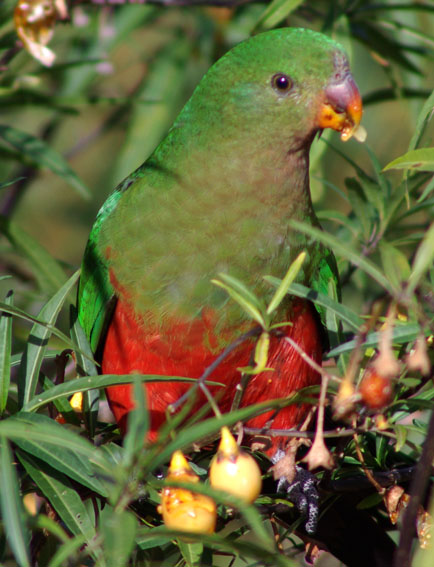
[279,87]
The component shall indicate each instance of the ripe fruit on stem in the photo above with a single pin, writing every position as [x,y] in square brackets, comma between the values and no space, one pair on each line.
[235,471]
[376,390]
[183,509]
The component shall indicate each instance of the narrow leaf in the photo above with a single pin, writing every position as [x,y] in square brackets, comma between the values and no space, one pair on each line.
[35,348]
[49,274]
[344,313]
[58,490]
[241,288]
[345,251]
[5,353]
[191,552]
[96,382]
[138,423]
[85,367]
[12,507]
[401,334]
[290,276]
[42,155]
[59,447]
[423,260]
[277,11]
[65,553]
[421,159]
[248,307]
[16,312]
[118,530]
[421,122]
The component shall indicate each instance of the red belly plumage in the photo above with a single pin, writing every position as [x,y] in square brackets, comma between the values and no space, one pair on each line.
[190,347]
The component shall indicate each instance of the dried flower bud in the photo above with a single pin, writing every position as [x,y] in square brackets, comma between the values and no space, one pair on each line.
[424,527]
[418,360]
[34,22]
[235,471]
[395,501]
[343,404]
[183,509]
[319,455]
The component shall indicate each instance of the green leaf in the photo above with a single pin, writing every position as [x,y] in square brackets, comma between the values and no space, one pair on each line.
[43,522]
[277,11]
[421,159]
[423,260]
[401,334]
[243,300]
[346,251]
[96,382]
[138,423]
[401,433]
[191,552]
[51,328]
[35,348]
[242,289]
[5,353]
[8,183]
[290,276]
[118,529]
[428,189]
[148,538]
[65,553]
[12,507]
[422,120]
[62,496]
[395,263]
[85,367]
[62,449]
[49,275]
[343,312]
[42,155]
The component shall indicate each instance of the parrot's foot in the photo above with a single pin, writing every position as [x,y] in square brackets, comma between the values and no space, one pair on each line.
[302,492]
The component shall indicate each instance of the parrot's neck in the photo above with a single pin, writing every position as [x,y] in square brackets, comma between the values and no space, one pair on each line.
[228,171]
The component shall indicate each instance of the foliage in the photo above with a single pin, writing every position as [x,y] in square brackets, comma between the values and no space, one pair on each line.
[73,493]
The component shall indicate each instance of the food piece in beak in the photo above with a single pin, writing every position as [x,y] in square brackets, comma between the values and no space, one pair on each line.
[341,109]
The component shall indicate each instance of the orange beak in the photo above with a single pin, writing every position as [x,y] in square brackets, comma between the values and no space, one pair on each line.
[341,109]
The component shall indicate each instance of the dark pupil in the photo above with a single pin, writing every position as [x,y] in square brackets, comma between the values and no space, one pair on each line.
[282,82]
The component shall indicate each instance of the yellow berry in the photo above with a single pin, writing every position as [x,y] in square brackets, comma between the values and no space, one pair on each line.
[183,509]
[77,401]
[235,471]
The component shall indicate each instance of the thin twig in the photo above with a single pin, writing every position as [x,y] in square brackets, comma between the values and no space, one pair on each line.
[200,383]
[311,361]
[367,472]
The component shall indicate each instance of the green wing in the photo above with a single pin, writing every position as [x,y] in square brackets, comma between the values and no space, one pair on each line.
[326,281]
[95,292]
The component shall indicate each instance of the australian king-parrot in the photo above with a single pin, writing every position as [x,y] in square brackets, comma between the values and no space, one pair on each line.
[218,195]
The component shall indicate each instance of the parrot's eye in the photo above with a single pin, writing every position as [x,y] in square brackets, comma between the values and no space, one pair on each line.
[281,83]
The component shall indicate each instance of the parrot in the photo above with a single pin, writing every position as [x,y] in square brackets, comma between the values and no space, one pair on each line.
[218,196]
